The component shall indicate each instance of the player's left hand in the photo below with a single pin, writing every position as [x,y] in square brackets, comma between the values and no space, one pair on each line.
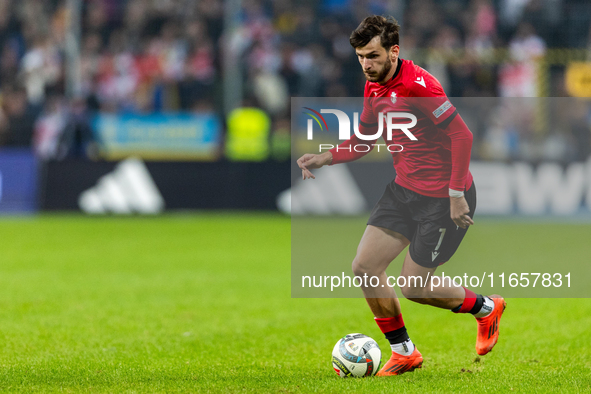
[311,161]
[459,210]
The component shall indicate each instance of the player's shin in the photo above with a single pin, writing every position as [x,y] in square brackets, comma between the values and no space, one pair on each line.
[384,304]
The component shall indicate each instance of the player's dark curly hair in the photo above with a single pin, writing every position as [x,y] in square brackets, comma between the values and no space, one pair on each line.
[375,25]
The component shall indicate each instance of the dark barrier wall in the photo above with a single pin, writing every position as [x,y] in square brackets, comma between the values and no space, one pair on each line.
[183,185]
[522,188]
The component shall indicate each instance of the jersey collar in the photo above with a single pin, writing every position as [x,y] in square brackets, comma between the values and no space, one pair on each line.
[398,67]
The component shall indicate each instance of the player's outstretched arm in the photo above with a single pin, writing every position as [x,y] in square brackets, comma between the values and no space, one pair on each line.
[310,161]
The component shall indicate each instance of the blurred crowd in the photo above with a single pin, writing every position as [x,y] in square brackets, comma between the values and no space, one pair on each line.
[146,56]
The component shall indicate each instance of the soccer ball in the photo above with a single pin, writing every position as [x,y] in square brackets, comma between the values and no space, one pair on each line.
[356,355]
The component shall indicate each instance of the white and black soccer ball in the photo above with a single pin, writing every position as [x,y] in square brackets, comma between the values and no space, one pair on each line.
[356,355]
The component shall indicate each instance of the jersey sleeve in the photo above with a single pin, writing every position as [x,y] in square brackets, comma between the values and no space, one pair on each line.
[432,101]
[429,98]
[461,147]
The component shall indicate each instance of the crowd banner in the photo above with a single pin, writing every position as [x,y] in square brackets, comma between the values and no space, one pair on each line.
[181,136]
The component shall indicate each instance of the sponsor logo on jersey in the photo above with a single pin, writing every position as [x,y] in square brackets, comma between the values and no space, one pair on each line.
[421,82]
[442,109]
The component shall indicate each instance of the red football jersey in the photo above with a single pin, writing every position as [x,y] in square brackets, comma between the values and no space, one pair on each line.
[424,165]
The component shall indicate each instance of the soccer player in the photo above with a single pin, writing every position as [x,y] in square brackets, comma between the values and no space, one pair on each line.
[428,206]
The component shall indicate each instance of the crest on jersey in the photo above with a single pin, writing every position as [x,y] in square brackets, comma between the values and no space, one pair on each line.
[393,97]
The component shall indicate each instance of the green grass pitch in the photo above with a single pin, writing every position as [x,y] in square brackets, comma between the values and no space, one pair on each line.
[201,303]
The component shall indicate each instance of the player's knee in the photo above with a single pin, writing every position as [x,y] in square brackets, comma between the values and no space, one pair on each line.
[412,291]
[362,267]
[358,267]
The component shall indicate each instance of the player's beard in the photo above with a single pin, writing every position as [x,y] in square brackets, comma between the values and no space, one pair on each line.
[382,74]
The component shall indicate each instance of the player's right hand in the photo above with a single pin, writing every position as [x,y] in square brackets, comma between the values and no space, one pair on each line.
[459,212]
[310,161]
